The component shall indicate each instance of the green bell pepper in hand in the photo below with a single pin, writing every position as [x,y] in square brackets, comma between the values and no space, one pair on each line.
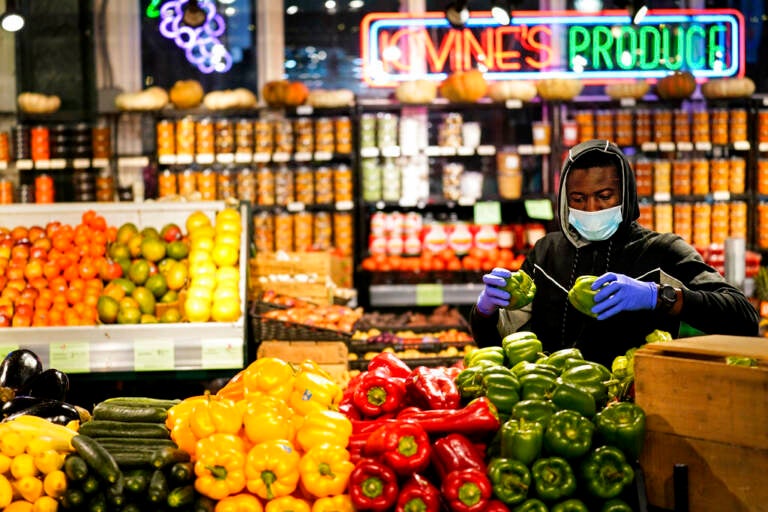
[531,505]
[568,434]
[616,505]
[494,355]
[522,440]
[521,346]
[622,424]
[574,397]
[570,505]
[553,478]
[534,410]
[521,289]
[582,296]
[510,478]
[605,472]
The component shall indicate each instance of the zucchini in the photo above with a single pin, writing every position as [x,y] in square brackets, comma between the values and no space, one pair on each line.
[72,499]
[181,496]
[110,428]
[137,480]
[131,507]
[131,414]
[97,457]
[91,484]
[157,491]
[128,459]
[204,504]
[75,468]
[182,473]
[168,455]
[141,443]
[141,401]
[114,493]
[97,503]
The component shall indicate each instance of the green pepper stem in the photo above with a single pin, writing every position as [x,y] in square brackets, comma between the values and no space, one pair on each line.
[377,396]
[325,469]
[407,446]
[415,505]
[469,494]
[218,472]
[268,477]
[372,487]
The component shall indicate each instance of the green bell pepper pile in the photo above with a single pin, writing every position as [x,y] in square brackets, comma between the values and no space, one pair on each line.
[606,472]
[511,480]
[521,346]
[569,434]
[622,424]
[521,289]
[582,296]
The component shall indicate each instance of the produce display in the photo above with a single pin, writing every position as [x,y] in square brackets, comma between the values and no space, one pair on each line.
[93,273]
[38,103]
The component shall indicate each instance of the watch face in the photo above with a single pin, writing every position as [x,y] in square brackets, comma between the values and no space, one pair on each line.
[668,294]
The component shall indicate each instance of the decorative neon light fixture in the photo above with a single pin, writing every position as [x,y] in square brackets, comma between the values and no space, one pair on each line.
[11,20]
[201,44]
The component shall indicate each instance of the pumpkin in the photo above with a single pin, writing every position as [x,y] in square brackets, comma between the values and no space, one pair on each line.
[284,93]
[186,94]
[151,98]
[559,89]
[504,90]
[677,86]
[37,103]
[620,90]
[464,86]
[728,88]
[416,91]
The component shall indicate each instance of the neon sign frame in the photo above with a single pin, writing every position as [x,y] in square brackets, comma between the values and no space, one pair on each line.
[451,52]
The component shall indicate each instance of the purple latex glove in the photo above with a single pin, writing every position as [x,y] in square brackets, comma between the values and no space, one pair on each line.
[493,297]
[618,292]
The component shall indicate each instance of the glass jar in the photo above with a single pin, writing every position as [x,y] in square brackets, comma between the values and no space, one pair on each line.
[265,186]
[304,185]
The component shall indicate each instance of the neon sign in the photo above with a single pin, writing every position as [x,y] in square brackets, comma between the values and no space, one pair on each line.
[399,47]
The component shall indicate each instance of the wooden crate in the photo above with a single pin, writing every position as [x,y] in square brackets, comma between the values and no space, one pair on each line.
[322,266]
[708,415]
[331,356]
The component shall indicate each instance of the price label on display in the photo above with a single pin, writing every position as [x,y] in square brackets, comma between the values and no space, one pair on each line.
[488,212]
[539,209]
[221,353]
[70,357]
[6,349]
[153,355]
[429,294]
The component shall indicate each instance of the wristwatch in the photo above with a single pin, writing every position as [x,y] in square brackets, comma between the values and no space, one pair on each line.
[666,297]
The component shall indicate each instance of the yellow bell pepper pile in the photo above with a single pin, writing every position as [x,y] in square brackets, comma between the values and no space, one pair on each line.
[269,441]
[32,453]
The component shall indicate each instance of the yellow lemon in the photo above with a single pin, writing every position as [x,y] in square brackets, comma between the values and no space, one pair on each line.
[225,310]
[197,219]
[202,268]
[228,274]
[207,281]
[197,309]
[225,255]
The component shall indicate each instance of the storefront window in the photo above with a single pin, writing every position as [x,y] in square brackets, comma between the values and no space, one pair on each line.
[214,44]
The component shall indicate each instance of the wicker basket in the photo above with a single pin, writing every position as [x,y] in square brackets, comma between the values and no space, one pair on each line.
[272,329]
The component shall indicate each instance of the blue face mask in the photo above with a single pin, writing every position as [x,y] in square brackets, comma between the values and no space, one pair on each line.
[594,226]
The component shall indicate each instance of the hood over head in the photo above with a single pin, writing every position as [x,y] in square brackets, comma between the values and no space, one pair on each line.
[578,155]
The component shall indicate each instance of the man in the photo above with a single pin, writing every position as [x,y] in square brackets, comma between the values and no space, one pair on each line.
[647,280]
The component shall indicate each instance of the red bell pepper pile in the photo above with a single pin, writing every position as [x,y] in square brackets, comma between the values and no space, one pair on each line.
[415,447]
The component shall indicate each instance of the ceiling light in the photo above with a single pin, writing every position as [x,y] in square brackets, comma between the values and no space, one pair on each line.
[11,20]
[457,13]
[501,12]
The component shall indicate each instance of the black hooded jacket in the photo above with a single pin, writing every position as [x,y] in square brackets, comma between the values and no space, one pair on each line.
[710,304]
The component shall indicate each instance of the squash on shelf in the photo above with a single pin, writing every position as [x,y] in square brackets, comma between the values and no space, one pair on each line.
[559,89]
[151,98]
[416,92]
[38,103]
[330,98]
[229,98]
[728,88]
[635,90]
[284,93]
[677,86]
[464,86]
[504,90]
[186,94]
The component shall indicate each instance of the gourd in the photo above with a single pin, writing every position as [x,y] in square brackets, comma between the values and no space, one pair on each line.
[229,98]
[416,91]
[728,88]
[559,89]
[620,90]
[330,97]
[464,86]
[284,93]
[522,90]
[151,98]
[37,103]
[186,94]
[677,86]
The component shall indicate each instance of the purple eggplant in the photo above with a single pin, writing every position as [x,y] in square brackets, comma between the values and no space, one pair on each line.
[18,367]
[51,383]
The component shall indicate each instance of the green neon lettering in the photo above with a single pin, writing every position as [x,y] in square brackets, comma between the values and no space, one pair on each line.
[716,47]
[602,48]
[650,42]
[694,54]
[578,43]
[153,10]
[672,47]
[626,43]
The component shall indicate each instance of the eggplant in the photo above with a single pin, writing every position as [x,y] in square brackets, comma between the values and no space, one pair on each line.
[51,383]
[54,411]
[19,403]
[18,367]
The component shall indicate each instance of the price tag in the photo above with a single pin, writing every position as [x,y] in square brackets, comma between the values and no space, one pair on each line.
[167,159]
[104,162]
[302,156]
[42,164]
[648,146]
[488,212]
[765,101]
[261,157]
[185,159]
[432,150]
[447,151]
[243,158]
[143,161]
[541,150]
[58,163]
[486,150]
[662,197]
[3,165]
[6,349]
[703,146]
[685,146]
[281,157]
[153,355]
[304,110]
[225,158]
[323,156]
[627,102]
[513,104]
[467,201]
[525,149]
[429,294]
[24,165]
[666,146]
[369,152]
[295,206]
[81,163]
[393,151]
[344,205]
[221,353]
[763,147]
[721,195]
[741,145]
[465,151]
[407,202]
[70,357]
[539,209]
[205,158]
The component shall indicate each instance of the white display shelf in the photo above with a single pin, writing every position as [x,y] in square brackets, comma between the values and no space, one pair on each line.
[423,294]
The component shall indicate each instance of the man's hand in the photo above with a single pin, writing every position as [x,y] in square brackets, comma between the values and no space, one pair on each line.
[493,296]
[618,292]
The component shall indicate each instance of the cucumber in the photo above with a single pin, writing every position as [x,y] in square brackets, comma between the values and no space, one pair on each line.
[131,414]
[91,484]
[168,455]
[204,504]
[97,457]
[97,503]
[73,499]
[141,443]
[157,491]
[142,401]
[181,496]
[128,459]
[75,468]
[137,480]
[131,507]
[182,473]
[110,428]
[114,493]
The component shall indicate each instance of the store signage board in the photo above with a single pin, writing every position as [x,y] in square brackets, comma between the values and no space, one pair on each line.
[6,349]
[154,355]
[221,353]
[74,357]
[596,48]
